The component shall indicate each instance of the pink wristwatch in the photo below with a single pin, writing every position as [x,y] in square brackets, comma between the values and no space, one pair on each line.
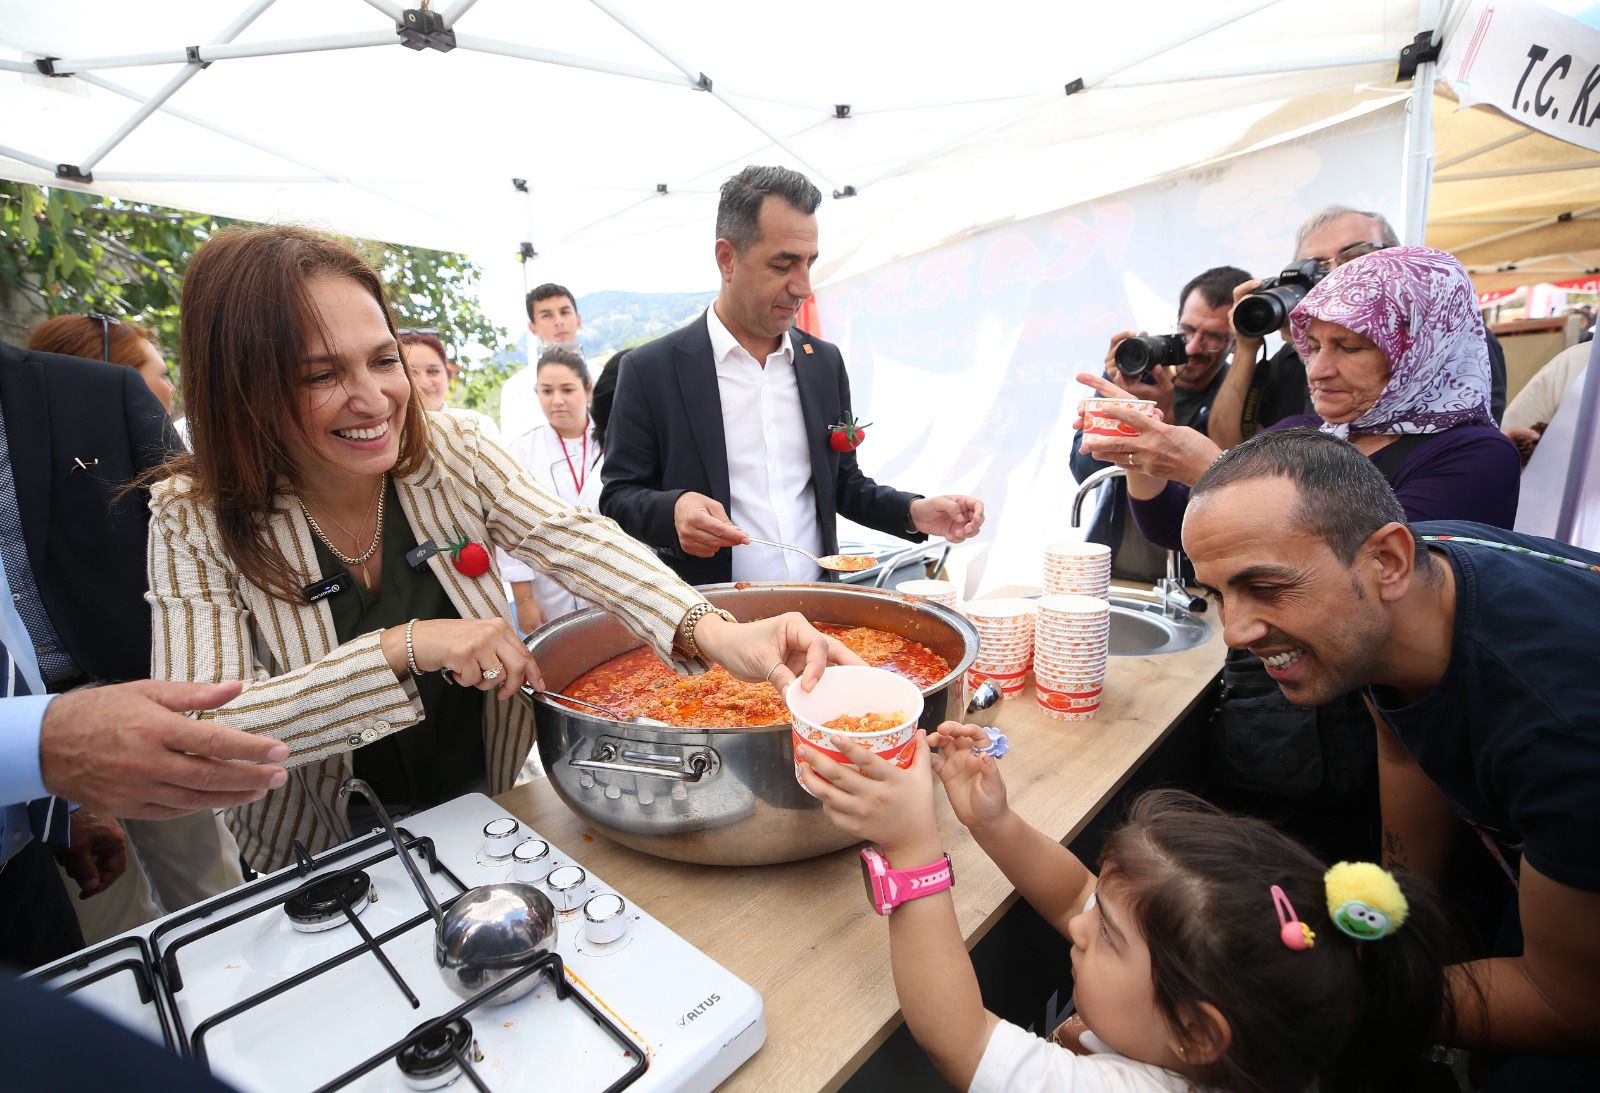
[889,888]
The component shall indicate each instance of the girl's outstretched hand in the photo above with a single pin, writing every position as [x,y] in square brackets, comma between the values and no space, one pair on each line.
[873,799]
[972,782]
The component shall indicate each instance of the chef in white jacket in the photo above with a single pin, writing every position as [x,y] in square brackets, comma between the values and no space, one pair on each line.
[565,456]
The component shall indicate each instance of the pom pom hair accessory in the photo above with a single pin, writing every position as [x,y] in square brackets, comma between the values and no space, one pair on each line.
[1364,901]
[1296,935]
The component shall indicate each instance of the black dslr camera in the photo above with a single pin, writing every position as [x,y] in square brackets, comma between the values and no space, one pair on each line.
[1137,356]
[1267,308]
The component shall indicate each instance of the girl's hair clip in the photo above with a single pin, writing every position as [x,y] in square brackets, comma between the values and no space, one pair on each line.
[1295,934]
[1364,900]
[996,746]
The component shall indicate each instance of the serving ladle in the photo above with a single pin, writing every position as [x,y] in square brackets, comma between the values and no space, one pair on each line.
[489,934]
[838,563]
[628,719]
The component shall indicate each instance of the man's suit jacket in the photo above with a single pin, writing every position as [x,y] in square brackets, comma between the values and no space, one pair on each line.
[665,438]
[85,545]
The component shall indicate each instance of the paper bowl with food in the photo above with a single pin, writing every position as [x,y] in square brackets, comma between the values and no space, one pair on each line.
[870,706]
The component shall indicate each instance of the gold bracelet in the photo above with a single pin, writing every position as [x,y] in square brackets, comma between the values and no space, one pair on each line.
[685,638]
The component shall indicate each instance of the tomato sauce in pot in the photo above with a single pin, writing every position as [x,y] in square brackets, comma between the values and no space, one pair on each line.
[638,683]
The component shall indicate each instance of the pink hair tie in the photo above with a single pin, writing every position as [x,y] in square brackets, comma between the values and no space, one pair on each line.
[1295,934]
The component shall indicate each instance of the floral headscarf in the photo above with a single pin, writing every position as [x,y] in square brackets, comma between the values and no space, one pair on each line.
[1417,305]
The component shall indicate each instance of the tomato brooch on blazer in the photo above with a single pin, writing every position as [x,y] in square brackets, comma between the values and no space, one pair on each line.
[469,558]
[847,435]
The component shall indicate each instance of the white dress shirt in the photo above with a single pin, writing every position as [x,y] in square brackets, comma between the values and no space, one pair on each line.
[769,461]
[541,451]
[519,402]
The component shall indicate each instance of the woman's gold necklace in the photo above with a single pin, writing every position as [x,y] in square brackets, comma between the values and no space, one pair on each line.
[362,559]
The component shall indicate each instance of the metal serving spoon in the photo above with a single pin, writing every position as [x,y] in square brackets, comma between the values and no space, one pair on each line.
[838,563]
[555,696]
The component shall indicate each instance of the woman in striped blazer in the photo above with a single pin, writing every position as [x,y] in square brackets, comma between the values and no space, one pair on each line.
[297,549]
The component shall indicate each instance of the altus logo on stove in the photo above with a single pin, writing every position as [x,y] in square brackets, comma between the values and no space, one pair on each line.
[684,1021]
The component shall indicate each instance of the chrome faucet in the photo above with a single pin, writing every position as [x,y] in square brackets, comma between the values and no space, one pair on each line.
[1173,594]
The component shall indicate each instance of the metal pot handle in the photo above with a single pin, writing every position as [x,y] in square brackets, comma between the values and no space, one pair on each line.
[677,768]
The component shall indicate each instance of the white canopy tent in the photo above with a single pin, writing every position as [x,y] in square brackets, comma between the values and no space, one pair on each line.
[593,134]
[623,116]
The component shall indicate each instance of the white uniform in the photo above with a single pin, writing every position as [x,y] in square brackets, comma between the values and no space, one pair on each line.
[570,470]
[1016,1060]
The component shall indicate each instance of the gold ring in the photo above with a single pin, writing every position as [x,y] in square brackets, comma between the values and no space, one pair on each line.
[493,673]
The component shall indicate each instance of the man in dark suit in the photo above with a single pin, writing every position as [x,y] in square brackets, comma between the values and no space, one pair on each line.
[72,434]
[723,429]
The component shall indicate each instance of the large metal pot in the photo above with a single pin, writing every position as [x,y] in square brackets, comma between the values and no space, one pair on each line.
[717,796]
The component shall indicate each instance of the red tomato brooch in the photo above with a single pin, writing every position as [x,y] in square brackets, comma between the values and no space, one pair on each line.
[847,435]
[469,558]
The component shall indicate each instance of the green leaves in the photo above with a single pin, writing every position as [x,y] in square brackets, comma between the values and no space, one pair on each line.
[80,253]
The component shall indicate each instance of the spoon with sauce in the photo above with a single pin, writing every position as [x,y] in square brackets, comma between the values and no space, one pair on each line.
[838,563]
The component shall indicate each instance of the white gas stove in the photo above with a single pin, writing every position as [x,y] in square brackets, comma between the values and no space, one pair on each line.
[348,996]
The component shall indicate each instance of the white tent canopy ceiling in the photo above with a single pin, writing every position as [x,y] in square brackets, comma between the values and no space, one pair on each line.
[943,117]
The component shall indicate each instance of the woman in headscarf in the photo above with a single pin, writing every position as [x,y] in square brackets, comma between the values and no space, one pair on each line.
[1397,363]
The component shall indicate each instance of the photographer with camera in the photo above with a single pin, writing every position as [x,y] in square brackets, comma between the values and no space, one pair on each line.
[1181,373]
[1258,393]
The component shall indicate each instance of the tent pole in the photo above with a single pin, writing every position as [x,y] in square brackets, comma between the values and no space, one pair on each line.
[1579,461]
[1419,134]
[1482,148]
[698,78]
[1264,68]
[23,157]
[388,7]
[151,105]
[1544,222]
[1507,172]
[288,157]
[479,44]
[221,51]
[18,66]
[457,10]
[1087,82]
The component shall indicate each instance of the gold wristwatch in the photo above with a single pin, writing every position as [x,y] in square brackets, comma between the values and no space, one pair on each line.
[684,641]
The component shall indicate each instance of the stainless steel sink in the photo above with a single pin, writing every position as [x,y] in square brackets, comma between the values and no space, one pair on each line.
[1141,628]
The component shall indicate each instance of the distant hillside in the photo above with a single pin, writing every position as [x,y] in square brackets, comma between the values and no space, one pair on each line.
[620,320]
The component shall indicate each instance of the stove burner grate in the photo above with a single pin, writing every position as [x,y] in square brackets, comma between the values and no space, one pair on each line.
[322,906]
[433,1059]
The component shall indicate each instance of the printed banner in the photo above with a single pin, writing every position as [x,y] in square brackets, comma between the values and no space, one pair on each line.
[1533,65]
[964,356]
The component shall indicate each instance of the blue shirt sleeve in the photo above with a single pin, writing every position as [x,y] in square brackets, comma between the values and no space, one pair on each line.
[20,720]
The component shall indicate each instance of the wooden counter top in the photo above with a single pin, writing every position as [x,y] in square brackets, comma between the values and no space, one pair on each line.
[802,933]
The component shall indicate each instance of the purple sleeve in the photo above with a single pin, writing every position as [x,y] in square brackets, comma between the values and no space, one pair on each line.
[1160,519]
[1469,473]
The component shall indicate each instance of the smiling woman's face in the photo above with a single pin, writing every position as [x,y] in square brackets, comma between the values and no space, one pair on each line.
[429,373]
[353,388]
[1345,371]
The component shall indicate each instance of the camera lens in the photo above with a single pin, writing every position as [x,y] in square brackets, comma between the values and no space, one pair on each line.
[1267,309]
[1136,356]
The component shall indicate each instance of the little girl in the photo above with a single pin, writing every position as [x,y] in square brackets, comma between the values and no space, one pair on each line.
[1212,950]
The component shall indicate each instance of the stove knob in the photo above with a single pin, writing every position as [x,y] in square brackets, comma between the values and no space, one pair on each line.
[568,887]
[531,861]
[500,837]
[605,918]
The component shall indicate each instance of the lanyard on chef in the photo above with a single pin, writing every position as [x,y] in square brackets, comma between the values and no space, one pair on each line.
[1510,548]
[577,482]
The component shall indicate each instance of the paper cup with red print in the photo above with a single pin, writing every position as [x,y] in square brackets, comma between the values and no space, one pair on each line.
[849,690]
[1098,423]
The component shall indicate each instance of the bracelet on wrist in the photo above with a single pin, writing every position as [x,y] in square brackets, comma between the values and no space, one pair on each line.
[411,652]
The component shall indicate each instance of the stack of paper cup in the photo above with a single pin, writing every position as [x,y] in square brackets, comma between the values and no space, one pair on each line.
[1077,569]
[1005,643]
[1071,639]
[941,592]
